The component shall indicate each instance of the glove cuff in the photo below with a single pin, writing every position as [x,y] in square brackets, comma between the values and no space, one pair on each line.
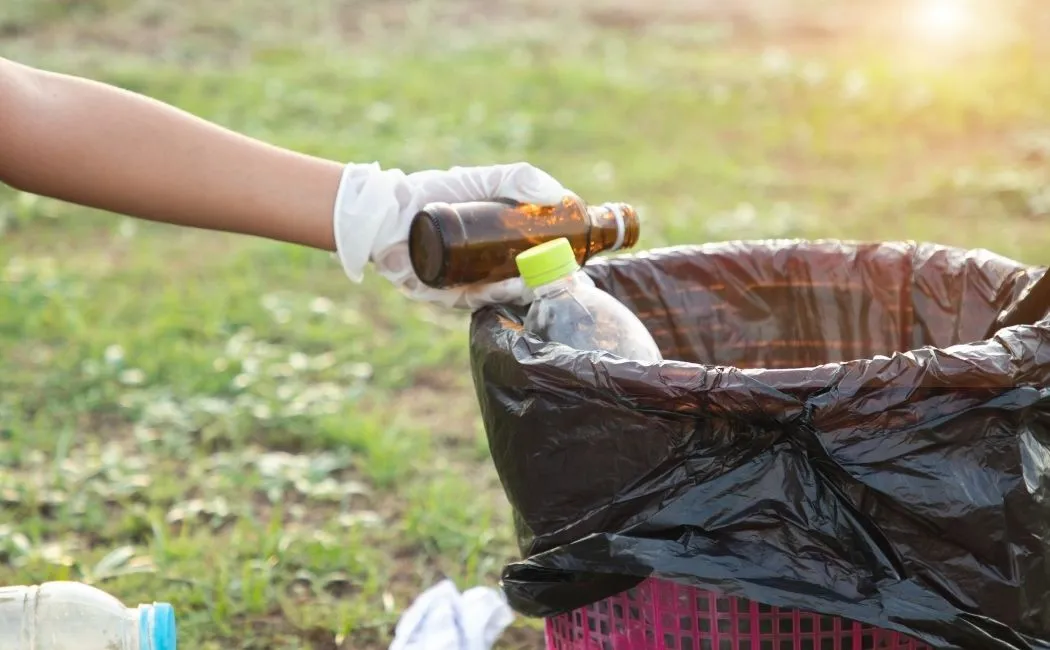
[365,199]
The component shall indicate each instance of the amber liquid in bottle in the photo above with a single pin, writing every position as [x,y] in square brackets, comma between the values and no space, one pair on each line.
[453,244]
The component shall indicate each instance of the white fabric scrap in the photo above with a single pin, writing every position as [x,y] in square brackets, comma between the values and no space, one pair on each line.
[441,618]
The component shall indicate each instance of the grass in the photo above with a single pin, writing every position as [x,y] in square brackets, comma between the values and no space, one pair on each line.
[230,425]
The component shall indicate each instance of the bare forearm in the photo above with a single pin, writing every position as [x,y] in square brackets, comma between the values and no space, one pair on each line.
[106,148]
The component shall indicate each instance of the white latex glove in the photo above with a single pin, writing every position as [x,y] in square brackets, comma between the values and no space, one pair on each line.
[374,210]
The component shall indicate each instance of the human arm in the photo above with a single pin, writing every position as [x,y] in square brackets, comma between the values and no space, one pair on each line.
[97,145]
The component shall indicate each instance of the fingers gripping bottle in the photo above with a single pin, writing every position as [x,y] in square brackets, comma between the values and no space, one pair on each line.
[569,309]
[75,616]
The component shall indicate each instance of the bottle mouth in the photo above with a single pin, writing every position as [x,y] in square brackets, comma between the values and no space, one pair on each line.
[157,627]
[626,218]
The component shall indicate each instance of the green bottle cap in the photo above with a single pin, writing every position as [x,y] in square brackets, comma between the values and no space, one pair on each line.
[547,262]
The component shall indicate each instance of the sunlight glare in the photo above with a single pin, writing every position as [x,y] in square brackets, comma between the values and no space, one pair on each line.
[944,19]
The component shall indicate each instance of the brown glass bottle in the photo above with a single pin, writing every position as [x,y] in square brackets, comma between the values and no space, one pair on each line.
[453,244]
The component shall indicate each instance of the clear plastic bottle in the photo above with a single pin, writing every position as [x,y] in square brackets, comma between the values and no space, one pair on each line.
[569,309]
[75,616]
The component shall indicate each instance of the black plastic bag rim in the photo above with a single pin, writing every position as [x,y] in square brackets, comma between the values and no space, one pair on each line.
[629,378]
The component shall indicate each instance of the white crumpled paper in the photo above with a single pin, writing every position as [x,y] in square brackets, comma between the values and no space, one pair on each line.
[441,618]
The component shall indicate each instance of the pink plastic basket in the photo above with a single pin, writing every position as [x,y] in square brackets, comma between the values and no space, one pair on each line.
[663,615]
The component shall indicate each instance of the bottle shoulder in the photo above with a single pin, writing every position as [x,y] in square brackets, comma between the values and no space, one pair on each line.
[584,317]
[558,305]
[66,615]
[56,599]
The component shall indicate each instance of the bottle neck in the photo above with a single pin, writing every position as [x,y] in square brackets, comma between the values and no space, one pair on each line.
[554,287]
[133,637]
[614,227]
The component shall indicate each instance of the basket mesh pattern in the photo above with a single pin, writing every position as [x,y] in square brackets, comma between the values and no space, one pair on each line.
[663,615]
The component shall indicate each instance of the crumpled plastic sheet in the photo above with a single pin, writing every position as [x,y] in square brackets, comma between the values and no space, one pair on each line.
[857,430]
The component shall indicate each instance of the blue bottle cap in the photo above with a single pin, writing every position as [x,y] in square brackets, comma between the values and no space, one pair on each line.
[157,627]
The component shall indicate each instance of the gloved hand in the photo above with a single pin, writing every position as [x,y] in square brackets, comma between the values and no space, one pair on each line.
[374,210]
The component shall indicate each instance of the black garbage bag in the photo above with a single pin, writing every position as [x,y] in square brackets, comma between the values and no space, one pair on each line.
[855,430]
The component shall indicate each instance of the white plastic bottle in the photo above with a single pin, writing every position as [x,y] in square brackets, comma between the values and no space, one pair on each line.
[569,309]
[75,616]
